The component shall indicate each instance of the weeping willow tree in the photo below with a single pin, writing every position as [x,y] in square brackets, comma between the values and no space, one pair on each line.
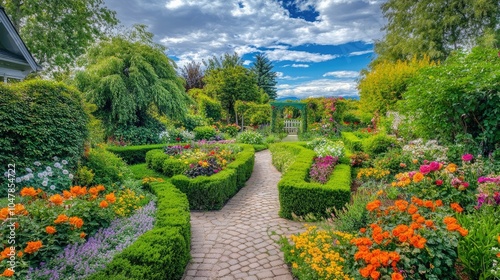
[128,77]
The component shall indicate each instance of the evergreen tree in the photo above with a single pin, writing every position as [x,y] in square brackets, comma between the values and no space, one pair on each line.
[266,78]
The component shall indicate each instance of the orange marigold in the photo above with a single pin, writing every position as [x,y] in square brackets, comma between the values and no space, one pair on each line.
[8,272]
[61,219]
[93,191]
[33,246]
[78,191]
[373,205]
[417,201]
[456,207]
[20,254]
[439,203]
[100,188]
[77,222]
[375,275]
[5,253]
[20,210]
[429,223]
[29,191]
[449,220]
[362,230]
[401,204]
[463,231]
[451,167]
[83,234]
[67,194]
[452,227]
[4,213]
[412,209]
[111,198]
[57,199]
[103,204]
[50,230]
[418,177]
[396,276]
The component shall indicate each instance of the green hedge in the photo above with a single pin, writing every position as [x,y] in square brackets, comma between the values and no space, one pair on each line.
[302,198]
[212,192]
[164,251]
[134,154]
[162,163]
[352,141]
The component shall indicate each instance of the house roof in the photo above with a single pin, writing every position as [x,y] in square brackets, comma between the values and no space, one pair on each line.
[13,51]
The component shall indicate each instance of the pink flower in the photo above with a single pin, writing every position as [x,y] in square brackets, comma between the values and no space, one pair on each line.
[434,166]
[465,184]
[439,182]
[411,173]
[425,169]
[467,157]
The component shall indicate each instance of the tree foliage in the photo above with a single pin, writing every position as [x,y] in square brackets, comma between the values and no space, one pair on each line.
[226,61]
[193,74]
[459,97]
[57,32]
[434,27]
[384,85]
[128,75]
[266,78]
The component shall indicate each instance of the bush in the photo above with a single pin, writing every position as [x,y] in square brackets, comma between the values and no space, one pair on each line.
[250,137]
[378,144]
[301,198]
[353,216]
[161,253]
[212,192]
[133,154]
[192,121]
[40,120]
[108,168]
[140,135]
[204,133]
[352,141]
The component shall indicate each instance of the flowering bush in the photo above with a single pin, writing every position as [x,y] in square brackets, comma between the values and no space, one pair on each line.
[250,137]
[420,150]
[317,254]
[324,147]
[489,191]
[372,173]
[322,168]
[79,261]
[359,159]
[231,129]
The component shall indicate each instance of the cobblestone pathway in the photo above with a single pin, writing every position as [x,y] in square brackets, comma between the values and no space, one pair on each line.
[239,241]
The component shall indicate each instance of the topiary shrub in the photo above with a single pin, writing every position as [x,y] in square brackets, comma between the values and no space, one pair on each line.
[379,144]
[108,168]
[40,120]
[204,133]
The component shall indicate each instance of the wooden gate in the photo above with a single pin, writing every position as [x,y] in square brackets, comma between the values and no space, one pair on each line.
[292,126]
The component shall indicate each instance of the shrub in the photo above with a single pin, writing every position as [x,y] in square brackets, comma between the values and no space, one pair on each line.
[140,135]
[53,178]
[352,141]
[250,137]
[283,155]
[353,216]
[173,166]
[204,133]
[378,144]
[133,154]
[107,167]
[40,120]
[193,121]
[231,129]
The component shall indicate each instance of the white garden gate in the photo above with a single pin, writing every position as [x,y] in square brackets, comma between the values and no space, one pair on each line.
[292,126]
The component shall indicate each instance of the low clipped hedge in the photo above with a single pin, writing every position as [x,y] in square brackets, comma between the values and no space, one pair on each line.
[299,197]
[164,251]
[134,154]
[162,163]
[352,141]
[212,192]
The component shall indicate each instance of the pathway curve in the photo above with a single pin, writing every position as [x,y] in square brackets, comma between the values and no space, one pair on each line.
[239,241]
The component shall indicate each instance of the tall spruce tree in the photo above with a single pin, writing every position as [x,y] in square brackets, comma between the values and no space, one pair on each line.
[266,78]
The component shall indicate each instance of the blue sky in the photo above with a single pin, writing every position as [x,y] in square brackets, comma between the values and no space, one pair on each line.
[317,47]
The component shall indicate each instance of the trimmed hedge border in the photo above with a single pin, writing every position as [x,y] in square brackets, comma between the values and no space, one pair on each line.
[299,197]
[134,154]
[212,192]
[352,141]
[164,251]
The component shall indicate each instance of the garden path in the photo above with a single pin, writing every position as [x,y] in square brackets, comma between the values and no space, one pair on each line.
[239,241]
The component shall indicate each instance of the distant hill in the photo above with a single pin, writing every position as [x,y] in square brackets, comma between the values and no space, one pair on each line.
[293,98]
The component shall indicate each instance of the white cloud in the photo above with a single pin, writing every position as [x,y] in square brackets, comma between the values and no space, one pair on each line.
[300,65]
[317,88]
[299,56]
[247,62]
[342,74]
[281,76]
[360,53]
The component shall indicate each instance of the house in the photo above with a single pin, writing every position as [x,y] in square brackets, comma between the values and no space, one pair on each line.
[16,62]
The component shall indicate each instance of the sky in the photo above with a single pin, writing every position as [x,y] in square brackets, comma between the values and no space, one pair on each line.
[317,47]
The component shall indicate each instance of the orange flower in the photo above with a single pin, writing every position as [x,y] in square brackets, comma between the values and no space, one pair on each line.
[67,194]
[429,223]
[451,167]
[8,272]
[463,231]
[452,227]
[375,275]
[100,188]
[57,199]
[4,213]
[373,205]
[94,191]
[401,204]
[449,220]
[83,234]
[29,191]
[5,253]
[412,209]
[33,246]
[439,203]
[20,210]
[417,201]
[111,198]
[418,177]
[362,230]
[396,276]
[456,207]
[50,230]
[77,222]
[61,219]
[421,220]
[429,204]
[103,204]
[20,254]
[78,191]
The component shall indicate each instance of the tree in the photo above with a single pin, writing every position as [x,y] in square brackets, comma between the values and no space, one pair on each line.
[434,27]
[128,75]
[226,61]
[230,84]
[266,78]
[57,32]
[193,74]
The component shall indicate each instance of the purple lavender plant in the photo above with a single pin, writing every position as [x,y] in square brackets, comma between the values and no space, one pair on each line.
[78,261]
[322,168]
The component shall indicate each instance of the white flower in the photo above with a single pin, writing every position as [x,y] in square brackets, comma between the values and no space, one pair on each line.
[64,162]
[40,175]
[48,168]
[70,176]
[55,158]
[18,180]
[65,172]
[37,163]
[52,187]
[57,165]
[45,183]
[29,169]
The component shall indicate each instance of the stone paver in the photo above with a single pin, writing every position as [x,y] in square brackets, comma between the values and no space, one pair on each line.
[239,241]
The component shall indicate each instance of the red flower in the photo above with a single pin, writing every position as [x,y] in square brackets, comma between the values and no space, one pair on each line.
[178,139]
[439,182]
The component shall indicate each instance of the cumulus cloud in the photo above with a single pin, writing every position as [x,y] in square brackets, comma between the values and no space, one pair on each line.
[299,56]
[316,88]
[282,76]
[342,74]
[360,53]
